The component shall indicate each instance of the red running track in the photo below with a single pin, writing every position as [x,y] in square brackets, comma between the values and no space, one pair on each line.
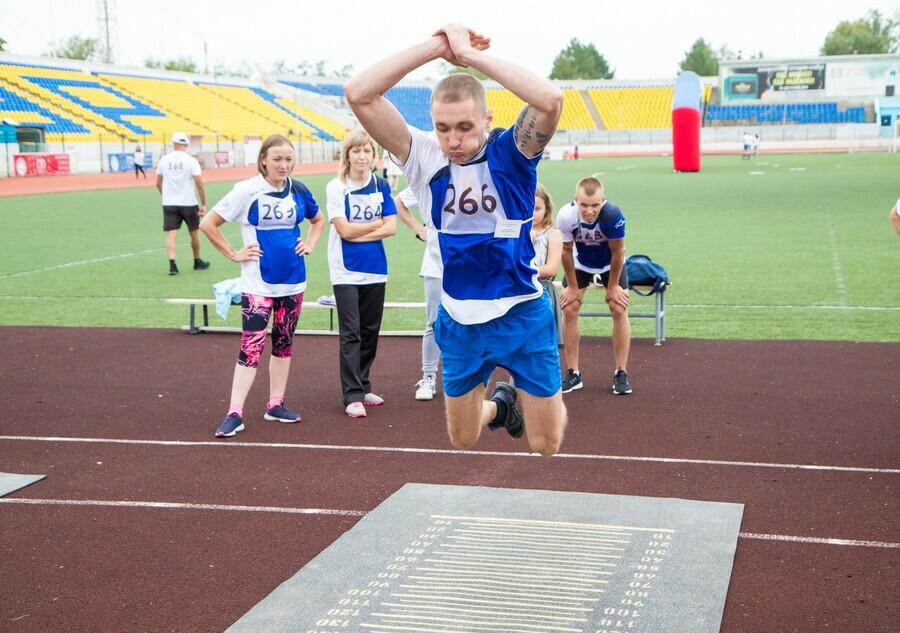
[145,522]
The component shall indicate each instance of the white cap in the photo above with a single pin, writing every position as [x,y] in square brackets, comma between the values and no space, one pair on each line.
[180,138]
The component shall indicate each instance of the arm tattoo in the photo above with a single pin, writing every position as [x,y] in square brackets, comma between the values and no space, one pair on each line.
[525,130]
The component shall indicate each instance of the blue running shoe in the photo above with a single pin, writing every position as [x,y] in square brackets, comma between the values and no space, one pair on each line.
[232,424]
[282,414]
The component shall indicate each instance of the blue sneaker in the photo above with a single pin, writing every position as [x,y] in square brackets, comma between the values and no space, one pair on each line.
[232,424]
[282,414]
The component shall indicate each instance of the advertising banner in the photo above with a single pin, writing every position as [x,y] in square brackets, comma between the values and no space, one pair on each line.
[753,82]
[40,164]
[125,162]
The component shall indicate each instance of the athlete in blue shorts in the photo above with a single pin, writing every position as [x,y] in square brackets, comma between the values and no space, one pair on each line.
[476,191]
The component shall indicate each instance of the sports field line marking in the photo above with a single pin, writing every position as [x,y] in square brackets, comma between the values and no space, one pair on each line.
[779,307]
[836,260]
[715,306]
[360,513]
[447,451]
[182,506]
[83,262]
[817,541]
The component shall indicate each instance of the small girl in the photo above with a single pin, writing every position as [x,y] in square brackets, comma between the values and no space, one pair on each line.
[547,240]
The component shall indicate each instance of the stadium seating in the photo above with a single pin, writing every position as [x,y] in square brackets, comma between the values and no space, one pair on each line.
[786,113]
[80,106]
[309,123]
[575,114]
[86,105]
[634,108]
[413,102]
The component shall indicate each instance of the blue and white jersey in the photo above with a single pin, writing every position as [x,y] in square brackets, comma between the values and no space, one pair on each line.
[358,263]
[482,212]
[270,217]
[591,248]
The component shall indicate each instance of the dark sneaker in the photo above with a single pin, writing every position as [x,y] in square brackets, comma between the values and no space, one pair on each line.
[199,264]
[281,414]
[621,385]
[173,269]
[572,381]
[232,424]
[508,416]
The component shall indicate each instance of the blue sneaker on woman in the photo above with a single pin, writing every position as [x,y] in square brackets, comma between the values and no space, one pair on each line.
[232,424]
[282,414]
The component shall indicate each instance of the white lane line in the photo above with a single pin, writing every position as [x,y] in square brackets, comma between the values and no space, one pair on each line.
[447,451]
[181,506]
[359,513]
[818,541]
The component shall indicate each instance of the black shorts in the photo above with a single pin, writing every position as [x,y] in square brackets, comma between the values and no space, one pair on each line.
[173,217]
[586,279]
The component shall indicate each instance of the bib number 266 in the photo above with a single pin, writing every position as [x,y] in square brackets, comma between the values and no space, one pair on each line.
[468,202]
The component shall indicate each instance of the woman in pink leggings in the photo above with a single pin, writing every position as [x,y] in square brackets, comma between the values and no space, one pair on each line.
[270,208]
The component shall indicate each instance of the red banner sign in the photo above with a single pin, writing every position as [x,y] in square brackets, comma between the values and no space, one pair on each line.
[40,164]
[223,157]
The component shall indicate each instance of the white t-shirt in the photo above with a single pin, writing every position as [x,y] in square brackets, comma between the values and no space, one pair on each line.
[139,158]
[178,170]
[431,258]
[358,263]
[271,218]
[393,169]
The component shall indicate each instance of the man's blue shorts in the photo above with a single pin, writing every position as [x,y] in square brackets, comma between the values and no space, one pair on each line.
[522,341]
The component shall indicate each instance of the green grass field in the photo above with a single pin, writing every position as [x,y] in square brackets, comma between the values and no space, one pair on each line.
[802,250]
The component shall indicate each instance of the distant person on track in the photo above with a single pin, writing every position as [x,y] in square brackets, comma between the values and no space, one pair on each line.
[430,273]
[177,174]
[477,190]
[593,234]
[895,217]
[270,209]
[362,213]
[138,158]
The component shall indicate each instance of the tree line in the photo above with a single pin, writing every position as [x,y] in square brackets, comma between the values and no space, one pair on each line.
[871,34]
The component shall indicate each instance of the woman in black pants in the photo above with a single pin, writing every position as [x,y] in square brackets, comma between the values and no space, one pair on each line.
[362,213]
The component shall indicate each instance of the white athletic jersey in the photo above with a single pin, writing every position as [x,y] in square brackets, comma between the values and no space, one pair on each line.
[591,241]
[482,212]
[358,263]
[178,170]
[270,217]
[431,258]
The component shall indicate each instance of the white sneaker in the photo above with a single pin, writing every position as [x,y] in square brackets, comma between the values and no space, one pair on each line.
[371,400]
[355,410]
[425,388]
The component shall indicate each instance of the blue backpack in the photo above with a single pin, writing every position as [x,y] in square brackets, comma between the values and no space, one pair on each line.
[643,271]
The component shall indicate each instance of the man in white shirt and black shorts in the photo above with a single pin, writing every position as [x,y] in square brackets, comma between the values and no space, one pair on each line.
[177,174]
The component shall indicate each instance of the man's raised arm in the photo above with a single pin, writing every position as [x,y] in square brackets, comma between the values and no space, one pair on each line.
[365,94]
[543,101]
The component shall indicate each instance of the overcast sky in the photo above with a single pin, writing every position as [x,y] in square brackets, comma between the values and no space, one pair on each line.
[641,39]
